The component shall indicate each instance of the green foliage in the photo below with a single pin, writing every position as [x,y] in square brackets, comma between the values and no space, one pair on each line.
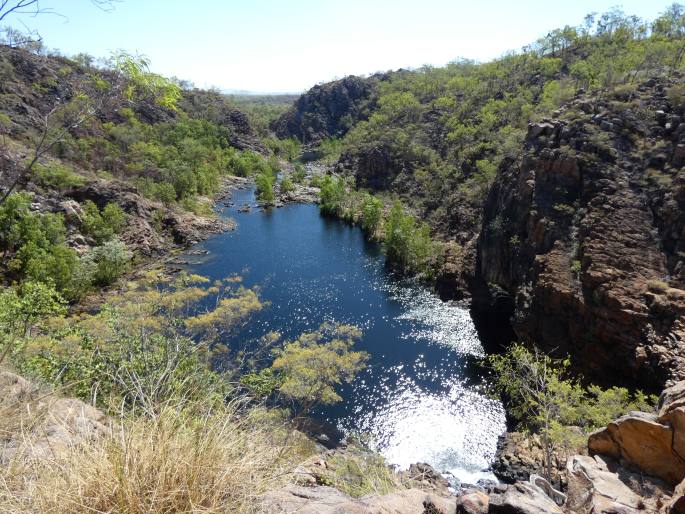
[265,187]
[142,83]
[316,362]
[332,195]
[286,185]
[138,349]
[407,242]
[372,211]
[541,394]
[576,267]
[57,176]
[288,149]
[358,473]
[102,225]
[108,261]
[33,246]
[263,110]
[437,136]
[21,308]
[330,149]
[299,174]
[263,383]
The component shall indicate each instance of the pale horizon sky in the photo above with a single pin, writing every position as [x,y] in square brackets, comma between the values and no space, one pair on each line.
[291,45]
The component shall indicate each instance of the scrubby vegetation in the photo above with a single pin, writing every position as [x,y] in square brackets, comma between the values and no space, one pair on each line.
[146,357]
[437,135]
[406,241]
[152,356]
[191,432]
[548,400]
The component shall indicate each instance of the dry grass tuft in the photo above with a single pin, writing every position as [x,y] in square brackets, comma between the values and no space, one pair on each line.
[177,462]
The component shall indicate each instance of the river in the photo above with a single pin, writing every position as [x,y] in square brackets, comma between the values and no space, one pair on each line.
[421,399]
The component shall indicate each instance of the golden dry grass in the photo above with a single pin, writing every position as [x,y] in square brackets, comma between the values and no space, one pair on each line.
[221,461]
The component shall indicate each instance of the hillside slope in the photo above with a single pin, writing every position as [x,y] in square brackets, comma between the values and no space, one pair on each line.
[328,110]
[553,177]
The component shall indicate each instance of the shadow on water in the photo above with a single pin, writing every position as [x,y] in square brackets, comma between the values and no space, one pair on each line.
[422,397]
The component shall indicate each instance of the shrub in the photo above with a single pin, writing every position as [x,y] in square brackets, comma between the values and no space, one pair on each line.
[33,244]
[286,185]
[316,362]
[265,187]
[57,176]
[372,210]
[576,267]
[110,260]
[332,195]
[102,225]
[546,400]
[21,308]
[407,243]
[657,286]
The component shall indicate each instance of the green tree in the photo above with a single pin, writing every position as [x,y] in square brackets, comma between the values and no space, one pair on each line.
[314,364]
[286,185]
[21,308]
[372,209]
[109,261]
[144,84]
[102,226]
[265,187]
[332,194]
[542,395]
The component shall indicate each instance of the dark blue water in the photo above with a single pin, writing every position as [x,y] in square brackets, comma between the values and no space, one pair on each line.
[419,400]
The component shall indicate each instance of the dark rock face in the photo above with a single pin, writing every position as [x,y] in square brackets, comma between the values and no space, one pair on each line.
[140,233]
[588,247]
[521,455]
[214,107]
[328,110]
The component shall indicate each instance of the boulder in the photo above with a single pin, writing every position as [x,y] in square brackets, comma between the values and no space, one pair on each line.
[540,129]
[522,498]
[72,211]
[521,455]
[43,426]
[639,440]
[677,503]
[473,502]
[327,500]
[427,476]
[672,412]
[593,488]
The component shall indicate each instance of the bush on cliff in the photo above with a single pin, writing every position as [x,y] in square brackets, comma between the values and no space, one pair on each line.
[545,399]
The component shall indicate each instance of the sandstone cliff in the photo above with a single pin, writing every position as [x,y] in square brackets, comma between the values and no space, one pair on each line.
[584,233]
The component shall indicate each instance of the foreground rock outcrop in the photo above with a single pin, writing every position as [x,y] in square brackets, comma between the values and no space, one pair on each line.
[653,443]
[40,425]
[327,500]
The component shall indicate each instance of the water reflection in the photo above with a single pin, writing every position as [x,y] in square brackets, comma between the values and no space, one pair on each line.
[419,400]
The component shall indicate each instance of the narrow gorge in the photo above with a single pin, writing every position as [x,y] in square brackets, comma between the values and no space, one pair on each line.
[436,289]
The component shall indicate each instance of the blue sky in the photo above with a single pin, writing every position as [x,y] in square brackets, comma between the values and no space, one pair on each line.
[290,45]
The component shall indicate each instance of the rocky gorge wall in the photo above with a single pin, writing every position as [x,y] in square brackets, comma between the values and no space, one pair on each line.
[584,232]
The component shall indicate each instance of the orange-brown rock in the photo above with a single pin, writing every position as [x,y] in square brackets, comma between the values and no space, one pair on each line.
[640,441]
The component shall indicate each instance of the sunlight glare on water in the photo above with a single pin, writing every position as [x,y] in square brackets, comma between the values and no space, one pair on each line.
[421,398]
[454,429]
